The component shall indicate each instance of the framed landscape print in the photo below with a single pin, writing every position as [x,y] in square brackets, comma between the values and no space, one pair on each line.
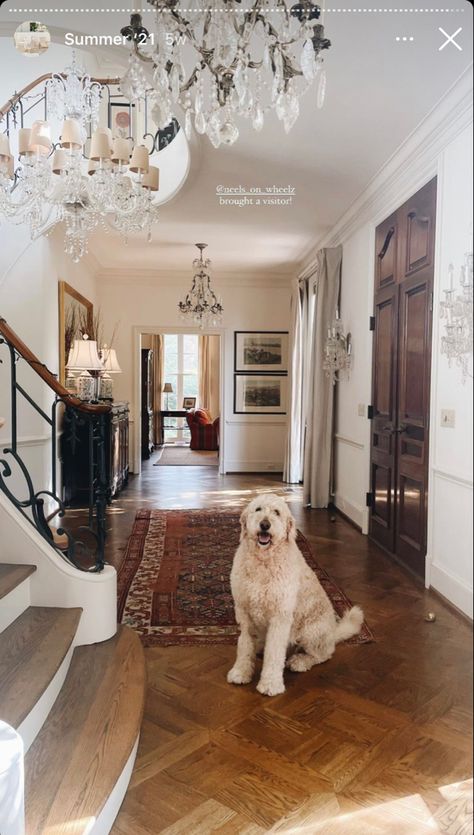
[261,351]
[257,394]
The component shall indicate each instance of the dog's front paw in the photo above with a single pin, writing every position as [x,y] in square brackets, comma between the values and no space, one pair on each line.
[271,687]
[239,676]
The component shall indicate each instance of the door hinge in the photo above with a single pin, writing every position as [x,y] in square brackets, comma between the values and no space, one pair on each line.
[371,323]
[368,499]
[370,412]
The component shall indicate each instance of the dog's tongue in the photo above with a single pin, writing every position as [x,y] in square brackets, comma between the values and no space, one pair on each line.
[264,538]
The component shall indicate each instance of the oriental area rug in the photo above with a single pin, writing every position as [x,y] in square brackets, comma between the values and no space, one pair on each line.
[173,586]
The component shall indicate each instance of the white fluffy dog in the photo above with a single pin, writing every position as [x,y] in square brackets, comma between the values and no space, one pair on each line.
[279,602]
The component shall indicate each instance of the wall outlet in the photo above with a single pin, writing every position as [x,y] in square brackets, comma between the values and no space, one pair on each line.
[361,410]
[448,418]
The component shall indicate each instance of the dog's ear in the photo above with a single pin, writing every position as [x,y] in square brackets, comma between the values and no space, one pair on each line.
[243,523]
[290,528]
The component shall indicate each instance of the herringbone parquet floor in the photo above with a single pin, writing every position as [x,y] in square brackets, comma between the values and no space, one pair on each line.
[377,740]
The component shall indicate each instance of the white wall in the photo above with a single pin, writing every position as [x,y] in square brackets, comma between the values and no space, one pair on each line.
[147,304]
[449,558]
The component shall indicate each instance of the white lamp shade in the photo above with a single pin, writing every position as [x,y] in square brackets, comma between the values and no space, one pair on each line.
[84,356]
[121,151]
[24,135]
[71,134]
[5,152]
[40,138]
[92,166]
[110,361]
[140,161]
[59,161]
[100,146]
[108,133]
[152,179]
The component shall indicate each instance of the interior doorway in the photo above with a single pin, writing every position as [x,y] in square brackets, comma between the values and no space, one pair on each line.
[180,398]
[401,379]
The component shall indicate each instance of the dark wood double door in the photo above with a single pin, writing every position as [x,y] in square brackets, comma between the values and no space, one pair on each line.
[401,379]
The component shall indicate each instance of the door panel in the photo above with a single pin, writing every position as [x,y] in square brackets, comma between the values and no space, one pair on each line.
[401,378]
[386,252]
[384,417]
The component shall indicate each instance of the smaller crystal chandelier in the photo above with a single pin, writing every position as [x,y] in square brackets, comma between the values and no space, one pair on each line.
[337,352]
[456,310]
[201,304]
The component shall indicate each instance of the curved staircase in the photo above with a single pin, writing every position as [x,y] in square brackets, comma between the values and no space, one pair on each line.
[72,684]
[78,710]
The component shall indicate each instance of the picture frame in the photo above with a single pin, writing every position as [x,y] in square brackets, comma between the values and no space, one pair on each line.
[121,119]
[263,352]
[260,394]
[189,402]
[71,304]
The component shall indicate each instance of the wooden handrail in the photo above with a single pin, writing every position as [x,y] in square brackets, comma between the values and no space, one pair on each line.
[17,96]
[40,368]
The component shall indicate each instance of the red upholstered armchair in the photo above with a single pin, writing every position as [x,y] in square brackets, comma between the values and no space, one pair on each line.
[204,431]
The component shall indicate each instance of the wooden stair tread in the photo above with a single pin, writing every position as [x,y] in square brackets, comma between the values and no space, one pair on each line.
[12,575]
[84,745]
[32,649]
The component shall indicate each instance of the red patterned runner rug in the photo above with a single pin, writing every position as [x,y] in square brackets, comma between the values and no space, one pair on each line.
[173,586]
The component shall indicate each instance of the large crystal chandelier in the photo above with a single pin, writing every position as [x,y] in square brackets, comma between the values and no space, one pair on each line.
[52,179]
[456,311]
[201,304]
[246,62]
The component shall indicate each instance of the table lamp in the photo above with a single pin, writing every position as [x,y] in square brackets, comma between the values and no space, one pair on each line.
[84,357]
[167,389]
[111,366]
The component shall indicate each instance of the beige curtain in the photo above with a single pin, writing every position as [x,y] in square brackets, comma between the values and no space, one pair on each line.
[209,373]
[158,354]
[320,402]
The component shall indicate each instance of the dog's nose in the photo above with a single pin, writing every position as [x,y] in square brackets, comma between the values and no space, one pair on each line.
[265,525]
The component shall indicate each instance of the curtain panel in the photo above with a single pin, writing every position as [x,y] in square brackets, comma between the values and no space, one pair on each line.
[209,373]
[309,450]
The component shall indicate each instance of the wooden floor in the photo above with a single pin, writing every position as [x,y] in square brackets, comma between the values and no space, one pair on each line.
[377,740]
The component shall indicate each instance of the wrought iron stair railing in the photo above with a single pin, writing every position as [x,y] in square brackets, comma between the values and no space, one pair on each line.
[84,547]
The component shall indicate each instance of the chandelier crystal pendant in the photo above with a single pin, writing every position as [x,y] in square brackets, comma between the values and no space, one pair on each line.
[201,305]
[456,311]
[51,179]
[247,61]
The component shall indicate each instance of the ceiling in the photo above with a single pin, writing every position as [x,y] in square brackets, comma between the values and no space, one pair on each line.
[378,90]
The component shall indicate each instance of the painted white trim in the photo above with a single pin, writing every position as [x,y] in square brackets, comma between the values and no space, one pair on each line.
[14,603]
[412,165]
[239,465]
[359,515]
[137,331]
[32,724]
[452,588]
[461,481]
[342,439]
[27,440]
[150,277]
[103,824]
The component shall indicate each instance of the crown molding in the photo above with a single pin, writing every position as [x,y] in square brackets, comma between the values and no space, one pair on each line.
[413,163]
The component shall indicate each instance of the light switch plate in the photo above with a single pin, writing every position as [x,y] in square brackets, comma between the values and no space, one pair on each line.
[448,418]
[361,410]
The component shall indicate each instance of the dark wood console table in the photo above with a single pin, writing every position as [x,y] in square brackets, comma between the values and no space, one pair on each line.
[167,413]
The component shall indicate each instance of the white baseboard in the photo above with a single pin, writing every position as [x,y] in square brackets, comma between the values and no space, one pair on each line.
[255,466]
[359,515]
[452,588]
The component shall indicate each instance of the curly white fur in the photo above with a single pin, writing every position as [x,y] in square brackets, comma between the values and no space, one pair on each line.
[279,602]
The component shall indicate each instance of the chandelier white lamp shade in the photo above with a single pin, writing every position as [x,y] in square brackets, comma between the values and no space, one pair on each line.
[201,305]
[456,312]
[53,180]
[337,358]
[246,61]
